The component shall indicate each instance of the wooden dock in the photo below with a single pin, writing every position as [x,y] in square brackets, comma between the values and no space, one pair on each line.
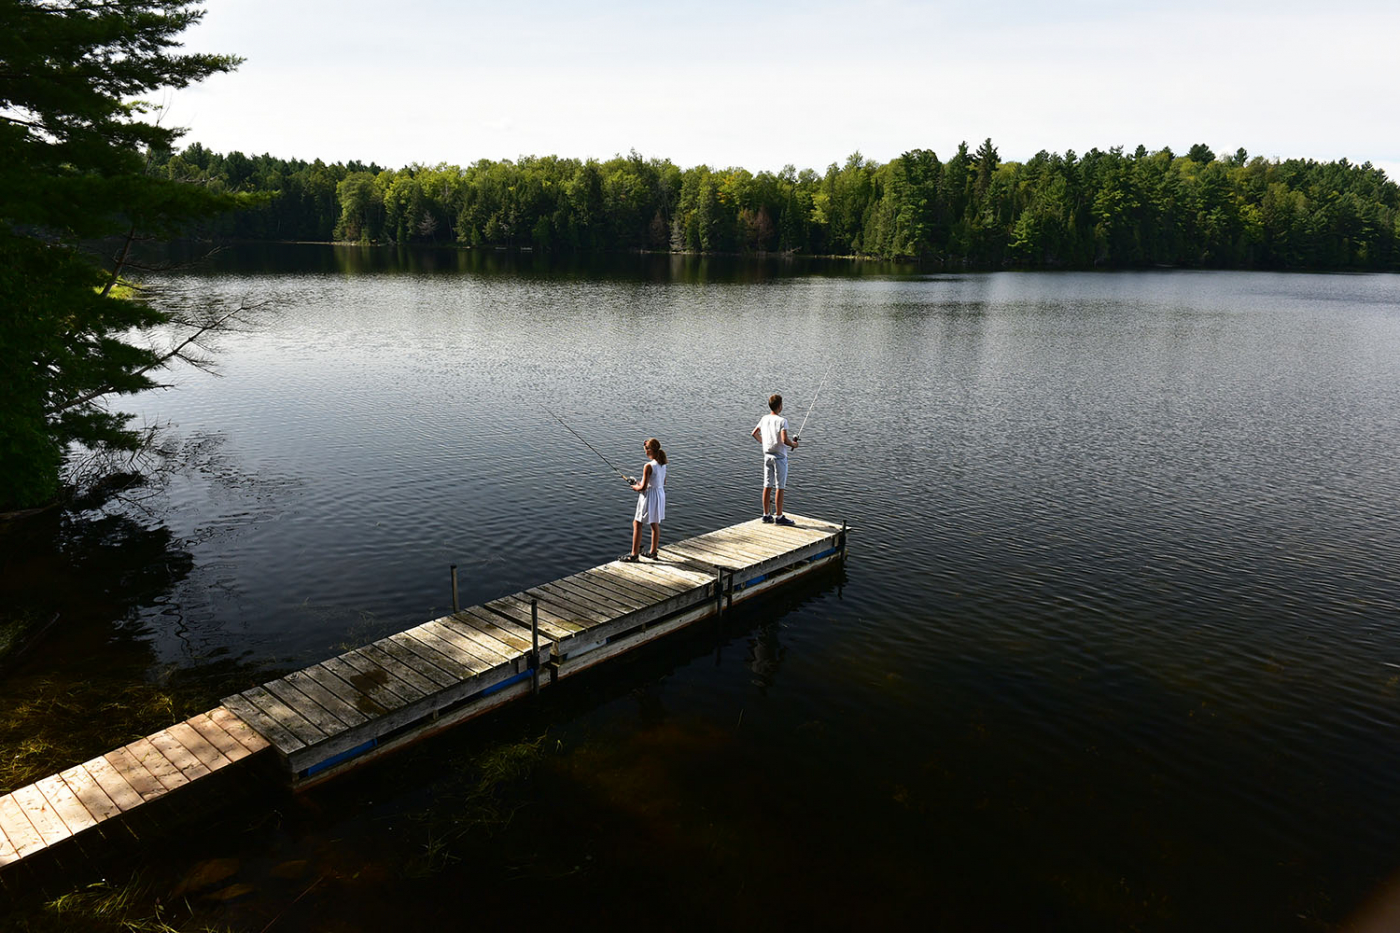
[353,708]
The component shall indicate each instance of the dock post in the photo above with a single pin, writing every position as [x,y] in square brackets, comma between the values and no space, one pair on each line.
[455,606]
[719,591]
[841,541]
[535,647]
[729,592]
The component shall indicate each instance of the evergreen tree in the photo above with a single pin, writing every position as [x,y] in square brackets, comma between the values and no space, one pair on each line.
[75,150]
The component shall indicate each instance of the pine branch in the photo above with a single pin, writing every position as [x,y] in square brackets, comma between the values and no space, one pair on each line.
[175,353]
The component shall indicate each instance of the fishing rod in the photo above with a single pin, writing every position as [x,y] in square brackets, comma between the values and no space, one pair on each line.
[798,435]
[629,480]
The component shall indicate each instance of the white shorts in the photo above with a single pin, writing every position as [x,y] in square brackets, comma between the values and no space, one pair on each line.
[774,471]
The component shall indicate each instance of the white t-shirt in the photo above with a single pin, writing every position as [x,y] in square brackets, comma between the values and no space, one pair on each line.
[770,431]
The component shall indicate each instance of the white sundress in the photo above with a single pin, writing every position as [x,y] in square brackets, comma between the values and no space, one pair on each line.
[651,502]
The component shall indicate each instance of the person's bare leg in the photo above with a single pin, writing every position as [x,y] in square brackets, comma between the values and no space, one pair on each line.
[767,498]
[636,538]
[655,538]
[780,502]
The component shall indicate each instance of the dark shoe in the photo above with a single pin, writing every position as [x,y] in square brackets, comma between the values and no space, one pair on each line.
[767,519]
[628,558]
[783,520]
[652,555]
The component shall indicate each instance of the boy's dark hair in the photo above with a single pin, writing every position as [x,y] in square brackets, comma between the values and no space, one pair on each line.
[775,401]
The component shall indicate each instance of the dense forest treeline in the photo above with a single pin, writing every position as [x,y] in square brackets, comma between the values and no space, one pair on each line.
[1104,208]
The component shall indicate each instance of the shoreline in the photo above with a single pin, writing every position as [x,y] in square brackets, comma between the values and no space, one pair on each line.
[956,266]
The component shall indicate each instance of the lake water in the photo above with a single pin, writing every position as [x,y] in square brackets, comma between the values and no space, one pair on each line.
[1116,645]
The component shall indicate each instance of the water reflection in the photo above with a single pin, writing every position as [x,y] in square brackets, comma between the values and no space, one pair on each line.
[765,655]
[660,268]
[93,570]
[115,578]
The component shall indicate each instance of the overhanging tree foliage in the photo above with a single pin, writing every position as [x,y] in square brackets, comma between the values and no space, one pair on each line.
[75,150]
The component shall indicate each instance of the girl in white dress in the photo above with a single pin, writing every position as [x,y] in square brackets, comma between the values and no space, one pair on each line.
[651,502]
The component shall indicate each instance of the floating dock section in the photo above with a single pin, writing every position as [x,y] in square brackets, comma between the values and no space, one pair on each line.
[350,709]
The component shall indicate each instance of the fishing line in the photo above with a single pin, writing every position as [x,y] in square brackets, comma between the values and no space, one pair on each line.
[627,478]
[798,435]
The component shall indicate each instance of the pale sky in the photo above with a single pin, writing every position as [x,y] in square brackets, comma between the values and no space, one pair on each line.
[763,84]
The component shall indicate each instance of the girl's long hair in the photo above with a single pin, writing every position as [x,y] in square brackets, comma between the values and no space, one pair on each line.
[653,447]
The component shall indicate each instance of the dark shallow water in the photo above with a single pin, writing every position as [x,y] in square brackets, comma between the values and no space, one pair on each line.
[1116,645]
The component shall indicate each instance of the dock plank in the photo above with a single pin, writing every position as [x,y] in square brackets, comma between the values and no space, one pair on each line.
[676,595]
[660,588]
[790,558]
[467,661]
[174,751]
[233,721]
[199,746]
[41,814]
[572,588]
[387,655]
[620,584]
[666,572]
[699,576]
[306,708]
[405,655]
[795,537]
[512,609]
[493,626]
[370,698]
[749,549]
[709,557]
[85,787]
[490,645]
[18,830]
[469,641]
[562,607]
[326,699]
[114,784]
[386,675]
[373,688]
[143,781]
[8,852]
[65,804]
[307,732]
[776,533]
[764,551]
[637,574]
[581,608]
[761,548]
[558,624]
[217,736]
[420,646]
[618,603]
[748,546]
[165,771]
[620,594]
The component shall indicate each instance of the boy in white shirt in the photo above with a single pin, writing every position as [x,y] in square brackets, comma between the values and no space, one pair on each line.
[772,432]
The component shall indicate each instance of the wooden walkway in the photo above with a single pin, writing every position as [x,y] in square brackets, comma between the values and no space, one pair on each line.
[353,708]
[54,810]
